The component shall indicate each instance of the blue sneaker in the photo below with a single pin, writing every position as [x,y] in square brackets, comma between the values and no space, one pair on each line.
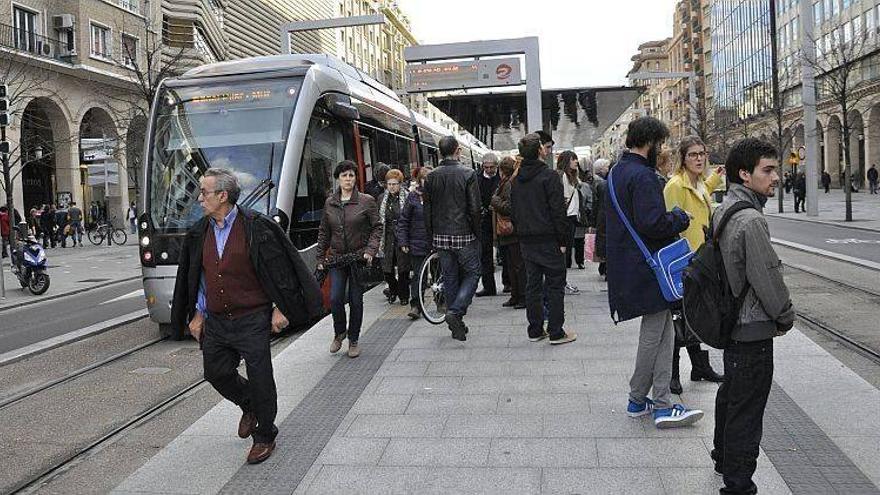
[634,410]
[675,416]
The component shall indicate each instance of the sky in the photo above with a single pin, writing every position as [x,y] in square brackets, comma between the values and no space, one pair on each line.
[584,43]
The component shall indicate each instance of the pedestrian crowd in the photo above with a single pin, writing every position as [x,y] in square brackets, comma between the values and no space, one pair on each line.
[539,221]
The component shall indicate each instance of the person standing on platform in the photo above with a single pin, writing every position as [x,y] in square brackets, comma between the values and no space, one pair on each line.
[239,279]
[600,186]
[61,223]
[752,266]
[633,290]
[452,223]
[512,257]
[395,262]
[47,225]
[800,192]
[76,223]
[689,189]
[376,186]
[872,179]
[350,231]
[132,215]
[412,237]
[826,181]
[488,181]
[538,214]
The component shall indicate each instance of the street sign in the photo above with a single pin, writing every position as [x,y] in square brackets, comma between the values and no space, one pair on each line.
[446,76]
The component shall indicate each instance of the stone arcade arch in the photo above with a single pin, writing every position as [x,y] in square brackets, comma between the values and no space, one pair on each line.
[834,150]
[104,178]
[45,171]
[857,147]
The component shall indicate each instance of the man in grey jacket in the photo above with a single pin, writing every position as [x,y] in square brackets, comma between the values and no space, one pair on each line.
[753,269]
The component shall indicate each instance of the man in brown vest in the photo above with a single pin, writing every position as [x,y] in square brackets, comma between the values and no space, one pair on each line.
[240,276]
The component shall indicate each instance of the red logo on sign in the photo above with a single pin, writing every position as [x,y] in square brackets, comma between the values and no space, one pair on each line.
[503,71]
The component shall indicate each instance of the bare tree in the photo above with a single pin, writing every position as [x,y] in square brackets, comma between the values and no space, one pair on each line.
[25,80]
[840,62]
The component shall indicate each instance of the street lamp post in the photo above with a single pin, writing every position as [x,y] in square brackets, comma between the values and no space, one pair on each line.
[808,96]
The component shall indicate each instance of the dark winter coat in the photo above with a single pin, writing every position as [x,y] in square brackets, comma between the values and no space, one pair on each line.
[283,274]
[352,229]
[538,205]
[872,174]
[632,289]
[410,230]
[390,208]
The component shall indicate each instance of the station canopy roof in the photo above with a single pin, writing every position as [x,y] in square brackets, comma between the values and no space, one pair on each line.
[575,117]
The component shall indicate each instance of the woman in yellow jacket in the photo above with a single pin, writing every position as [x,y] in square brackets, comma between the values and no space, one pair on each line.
[690,190]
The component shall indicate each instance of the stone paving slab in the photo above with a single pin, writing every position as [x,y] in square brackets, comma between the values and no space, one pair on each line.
[505,415]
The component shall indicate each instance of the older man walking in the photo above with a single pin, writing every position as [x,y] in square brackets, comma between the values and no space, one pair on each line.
[240,277]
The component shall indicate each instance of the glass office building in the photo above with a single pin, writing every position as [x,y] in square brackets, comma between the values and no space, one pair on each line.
[742,59]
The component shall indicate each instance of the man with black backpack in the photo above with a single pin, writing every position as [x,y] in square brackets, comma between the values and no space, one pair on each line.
[763,309]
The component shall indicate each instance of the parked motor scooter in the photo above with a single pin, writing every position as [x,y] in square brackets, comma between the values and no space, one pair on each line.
[29,264]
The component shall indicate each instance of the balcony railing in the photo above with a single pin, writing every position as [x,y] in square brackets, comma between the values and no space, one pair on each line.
[34,44]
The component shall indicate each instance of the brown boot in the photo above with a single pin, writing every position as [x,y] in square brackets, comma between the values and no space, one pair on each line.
[336,344]
[260,452]
[353,350]
[247,424]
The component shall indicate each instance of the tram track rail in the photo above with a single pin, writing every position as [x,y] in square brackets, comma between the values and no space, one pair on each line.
[15,398]
[826,328]
[58,468]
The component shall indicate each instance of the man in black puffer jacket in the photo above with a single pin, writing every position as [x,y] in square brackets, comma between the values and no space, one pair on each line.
[538,215]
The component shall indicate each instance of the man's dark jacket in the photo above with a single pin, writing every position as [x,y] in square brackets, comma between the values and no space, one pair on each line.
[537,205]
[488,186]
[633,290]
[281,271]
[452,201]
[872,174]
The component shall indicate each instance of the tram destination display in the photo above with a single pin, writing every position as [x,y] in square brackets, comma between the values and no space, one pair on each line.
[445,76]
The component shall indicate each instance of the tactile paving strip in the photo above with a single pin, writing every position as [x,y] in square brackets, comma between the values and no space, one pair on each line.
[308,428]
[808,461]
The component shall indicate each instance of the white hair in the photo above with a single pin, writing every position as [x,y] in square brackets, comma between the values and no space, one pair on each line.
[601,165]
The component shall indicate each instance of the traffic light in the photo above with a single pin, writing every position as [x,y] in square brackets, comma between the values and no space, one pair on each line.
[5,118]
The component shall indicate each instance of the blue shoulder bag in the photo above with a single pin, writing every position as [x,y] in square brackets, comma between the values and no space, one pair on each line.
[668,263]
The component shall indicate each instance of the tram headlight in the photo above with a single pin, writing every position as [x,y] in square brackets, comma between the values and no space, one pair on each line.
[148,256]
[143,225]
[145,241]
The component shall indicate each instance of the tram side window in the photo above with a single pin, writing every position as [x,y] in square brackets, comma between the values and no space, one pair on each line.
[429,155]
[324,148]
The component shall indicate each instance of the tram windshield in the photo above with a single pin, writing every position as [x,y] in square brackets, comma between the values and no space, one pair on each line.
[241,126]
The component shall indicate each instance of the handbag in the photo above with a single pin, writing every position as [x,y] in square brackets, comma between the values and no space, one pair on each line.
[683,335]
[367,274]
[668,263]
[503,226]
[590,246]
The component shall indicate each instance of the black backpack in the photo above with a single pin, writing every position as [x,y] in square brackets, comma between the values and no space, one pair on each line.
[710,309]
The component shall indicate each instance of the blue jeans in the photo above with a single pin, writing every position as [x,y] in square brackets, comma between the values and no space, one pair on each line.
[76,232]
[344,289]
[461,273]
[132,225]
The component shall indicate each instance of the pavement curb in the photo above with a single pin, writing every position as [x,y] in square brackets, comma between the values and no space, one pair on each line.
[69,293]
[828,254]
[68,338]
[825,222]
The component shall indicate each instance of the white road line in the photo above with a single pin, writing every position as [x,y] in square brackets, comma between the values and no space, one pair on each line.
[828,254]
[134,293]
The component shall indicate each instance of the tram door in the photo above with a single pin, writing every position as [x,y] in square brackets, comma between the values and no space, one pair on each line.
[367,148]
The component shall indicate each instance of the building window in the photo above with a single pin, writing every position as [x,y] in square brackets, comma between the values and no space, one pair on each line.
[817,12]
[129,51]
[130,5]
[25,29]
[870,23]
[100,41]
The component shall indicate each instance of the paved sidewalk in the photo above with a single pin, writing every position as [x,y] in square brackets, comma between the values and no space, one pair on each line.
[832,209]
[421,413]
[74,269]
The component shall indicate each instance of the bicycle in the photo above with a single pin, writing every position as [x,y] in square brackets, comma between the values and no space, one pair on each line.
[106,230]
[432,300]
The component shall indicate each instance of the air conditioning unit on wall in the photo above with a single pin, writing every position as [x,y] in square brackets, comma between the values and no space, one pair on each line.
[45,48]
[63,21]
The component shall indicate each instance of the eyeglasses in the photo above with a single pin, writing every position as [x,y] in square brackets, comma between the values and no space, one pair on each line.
[203,192]
[393,183]
[697,154]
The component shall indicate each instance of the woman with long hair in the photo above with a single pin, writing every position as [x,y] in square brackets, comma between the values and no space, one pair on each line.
[511,254]
[349,231]
[567,168]
[689,189]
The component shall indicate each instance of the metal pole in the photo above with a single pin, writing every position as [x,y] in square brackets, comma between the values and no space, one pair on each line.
[7,185]
[808,49]
[777,105]
[534,107]
[692,102]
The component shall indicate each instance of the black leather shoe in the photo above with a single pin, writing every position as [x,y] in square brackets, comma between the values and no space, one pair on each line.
[484,293]
[509,303]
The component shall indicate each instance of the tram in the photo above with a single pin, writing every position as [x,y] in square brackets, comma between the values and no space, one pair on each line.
[281,123]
